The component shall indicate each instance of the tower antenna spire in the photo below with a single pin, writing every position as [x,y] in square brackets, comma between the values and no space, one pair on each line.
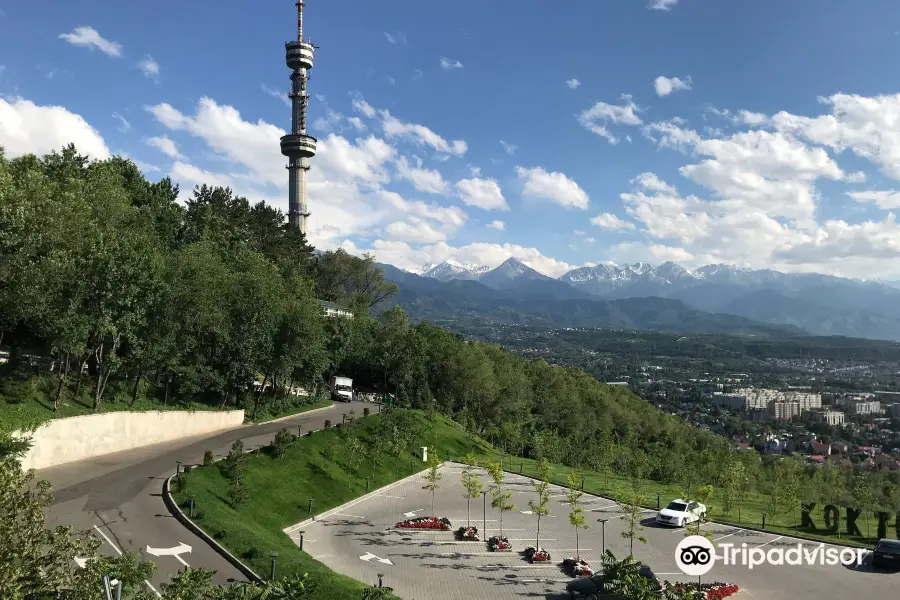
[298,146]
[299,20]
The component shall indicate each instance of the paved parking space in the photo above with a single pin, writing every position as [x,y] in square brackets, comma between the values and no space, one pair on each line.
[360,541]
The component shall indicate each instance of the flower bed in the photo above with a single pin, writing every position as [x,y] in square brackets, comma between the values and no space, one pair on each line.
[536,554]
[467,534]
[716,590]
[425,523]
[576,568]
[499,544]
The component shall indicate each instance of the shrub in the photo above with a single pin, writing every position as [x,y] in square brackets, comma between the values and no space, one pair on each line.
[283,441]
[327,423]
[328,452]
[208,458]
[366,411]
[252,553]
[221,534]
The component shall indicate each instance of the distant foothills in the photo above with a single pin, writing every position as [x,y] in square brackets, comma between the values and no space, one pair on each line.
[667,297]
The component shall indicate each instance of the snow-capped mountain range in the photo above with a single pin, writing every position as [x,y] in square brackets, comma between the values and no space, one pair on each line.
[450,269]
[821,304]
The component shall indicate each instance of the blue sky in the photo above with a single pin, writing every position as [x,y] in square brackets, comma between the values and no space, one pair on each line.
[439,121]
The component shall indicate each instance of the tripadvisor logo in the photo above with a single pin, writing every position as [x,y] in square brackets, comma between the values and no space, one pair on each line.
[695,555]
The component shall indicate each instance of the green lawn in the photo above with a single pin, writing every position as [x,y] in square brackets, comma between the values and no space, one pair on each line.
[27,401]
[749,513]
[280,489]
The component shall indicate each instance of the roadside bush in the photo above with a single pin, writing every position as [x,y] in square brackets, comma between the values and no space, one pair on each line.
[208,458]
[283,441]
[252,553]
[366,411]
[327,423]
[328,452]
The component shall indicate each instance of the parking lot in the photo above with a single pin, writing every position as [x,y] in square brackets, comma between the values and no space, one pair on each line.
[360,540]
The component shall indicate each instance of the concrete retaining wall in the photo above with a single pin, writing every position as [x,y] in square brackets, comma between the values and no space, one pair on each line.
[67,440]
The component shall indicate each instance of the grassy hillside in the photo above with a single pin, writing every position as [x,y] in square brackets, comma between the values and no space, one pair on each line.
[316,467]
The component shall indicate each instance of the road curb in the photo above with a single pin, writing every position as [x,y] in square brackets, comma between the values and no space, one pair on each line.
[331,511]
[300,414]
[198,531]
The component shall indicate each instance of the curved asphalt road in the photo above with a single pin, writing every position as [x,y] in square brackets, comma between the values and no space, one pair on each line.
[118,497]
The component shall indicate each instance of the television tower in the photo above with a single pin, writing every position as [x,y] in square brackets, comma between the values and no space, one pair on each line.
[298,146]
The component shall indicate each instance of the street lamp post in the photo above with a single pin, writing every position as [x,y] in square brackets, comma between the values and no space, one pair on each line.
[274,556]
[603,532]
[484,515]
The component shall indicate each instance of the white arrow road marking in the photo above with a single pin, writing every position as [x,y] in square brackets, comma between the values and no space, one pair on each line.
[526,512]
[181,548]
[369,556]
[81,562]
[412,513]
[119,552]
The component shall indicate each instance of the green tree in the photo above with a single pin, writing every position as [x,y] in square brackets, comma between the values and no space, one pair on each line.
[355,451]
[471,483]
[433,477]
[576,515]
[541,507]
[733,481]
[500,499]
[632,509]
[702,494]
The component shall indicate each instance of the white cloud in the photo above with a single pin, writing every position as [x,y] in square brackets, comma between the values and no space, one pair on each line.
[412,132]
[650,181]
[499,225]
[662,4]
[395,38]
[124,126]
[420,232]
[276,93]
[554,186]
[611,222]
[482,193]
[419,134]
[424,180]
[509,148]
[27,128]
[448,64]
[150,68]
[579,233]
[867,126]
[753,118]
[361,106]
[598,118]
[88,37]
[418,74]
[165,145]
[334,121]
[666,85]
[573,83]
[887,200]
[763,204]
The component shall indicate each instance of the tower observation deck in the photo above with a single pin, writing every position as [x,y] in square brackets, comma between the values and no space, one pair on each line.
[298,146]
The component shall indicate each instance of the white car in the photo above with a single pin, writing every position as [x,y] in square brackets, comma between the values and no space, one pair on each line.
[679,513]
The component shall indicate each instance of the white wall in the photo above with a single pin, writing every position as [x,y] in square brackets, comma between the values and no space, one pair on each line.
[66,440]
